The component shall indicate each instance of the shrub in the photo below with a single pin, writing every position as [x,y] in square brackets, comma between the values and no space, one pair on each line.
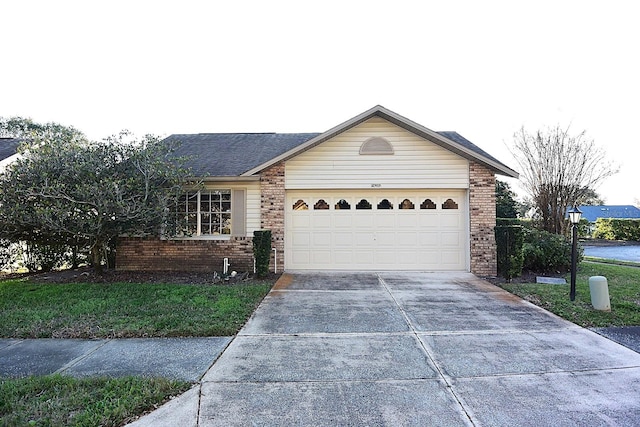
[42,256]
[584,228]
[262,251]
[547,252]
[509,241]
[617,229]
[8,254]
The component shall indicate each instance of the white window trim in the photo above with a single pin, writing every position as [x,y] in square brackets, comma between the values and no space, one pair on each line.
[199,235]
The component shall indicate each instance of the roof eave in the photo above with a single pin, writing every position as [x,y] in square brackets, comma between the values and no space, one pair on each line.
[398,120]
[238,178]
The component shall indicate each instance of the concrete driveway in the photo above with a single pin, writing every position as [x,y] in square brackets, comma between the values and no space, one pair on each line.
[414,349]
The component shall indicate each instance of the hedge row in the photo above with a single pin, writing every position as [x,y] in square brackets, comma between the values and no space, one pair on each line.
[617,229]
[521,248]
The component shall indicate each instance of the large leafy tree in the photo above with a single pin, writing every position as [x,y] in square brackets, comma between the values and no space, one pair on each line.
[68,190]
[557,170]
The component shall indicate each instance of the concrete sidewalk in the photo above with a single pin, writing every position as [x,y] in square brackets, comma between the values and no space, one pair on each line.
[176,358]
[415,349]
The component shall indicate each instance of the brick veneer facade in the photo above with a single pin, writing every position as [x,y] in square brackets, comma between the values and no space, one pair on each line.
[482,213]
[207,255]
[272,199]
[148,254]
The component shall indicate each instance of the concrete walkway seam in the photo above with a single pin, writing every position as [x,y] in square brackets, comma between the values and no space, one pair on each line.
[429,354]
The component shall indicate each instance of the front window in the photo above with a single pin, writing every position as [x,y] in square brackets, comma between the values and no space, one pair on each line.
[204,213]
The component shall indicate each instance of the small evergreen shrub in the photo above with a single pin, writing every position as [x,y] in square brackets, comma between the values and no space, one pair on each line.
[262,251]
[509,241]
[617,229]
[547,252]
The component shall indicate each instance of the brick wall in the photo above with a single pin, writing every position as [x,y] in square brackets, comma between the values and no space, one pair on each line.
[482,211]
[272,201]
[148,254]
[140,254]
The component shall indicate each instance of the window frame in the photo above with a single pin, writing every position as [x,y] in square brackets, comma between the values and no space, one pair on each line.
[225,217]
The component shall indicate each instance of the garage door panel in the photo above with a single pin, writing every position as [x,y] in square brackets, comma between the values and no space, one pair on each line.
[300,221]
[364,238]
[429,257]
[370,239]
[385,258]
[450,258]
[406,257]
[343,258]
[450,239]
[364,257]
[385,239]
[301,239]
[342,220]
[450,221]
[321,257]
[385,220]
[428,220]
[363,220]
[343,239]
[407,221]
[321,239]
[429,239]
[406,239]
[322,220]
[300,257]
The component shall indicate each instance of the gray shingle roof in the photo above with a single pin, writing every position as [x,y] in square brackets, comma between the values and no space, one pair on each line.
[8,147]
[456,137]
[232,154]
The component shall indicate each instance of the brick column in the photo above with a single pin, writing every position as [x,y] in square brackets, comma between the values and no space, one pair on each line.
[272,198]
[482,211]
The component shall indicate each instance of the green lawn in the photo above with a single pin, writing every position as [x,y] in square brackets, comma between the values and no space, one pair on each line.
[83,310]
[33,310]
[624,292]
[63,401]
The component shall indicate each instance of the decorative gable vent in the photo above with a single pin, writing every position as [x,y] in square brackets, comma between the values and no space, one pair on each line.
[376,145]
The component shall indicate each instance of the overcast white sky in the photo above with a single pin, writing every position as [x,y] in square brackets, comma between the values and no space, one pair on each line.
[482,68]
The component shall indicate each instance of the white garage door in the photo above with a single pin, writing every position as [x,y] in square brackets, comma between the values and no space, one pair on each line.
[376,230]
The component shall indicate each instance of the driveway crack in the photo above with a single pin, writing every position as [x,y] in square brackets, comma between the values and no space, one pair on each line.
[445,378]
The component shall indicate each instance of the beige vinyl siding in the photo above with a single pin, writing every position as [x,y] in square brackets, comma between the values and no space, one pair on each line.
[416,162]
[252,201]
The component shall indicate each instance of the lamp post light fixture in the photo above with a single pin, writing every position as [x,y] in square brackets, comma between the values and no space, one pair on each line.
[574,218]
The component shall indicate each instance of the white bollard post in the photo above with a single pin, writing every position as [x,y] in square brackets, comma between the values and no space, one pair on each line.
[599,289]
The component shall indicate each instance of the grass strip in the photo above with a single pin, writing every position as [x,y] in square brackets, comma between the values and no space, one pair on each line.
[59,400]
[125,310]
[611,261]
[624,293]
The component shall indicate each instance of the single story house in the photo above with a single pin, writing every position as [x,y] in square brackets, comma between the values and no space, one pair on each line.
[592,213]
[377,192]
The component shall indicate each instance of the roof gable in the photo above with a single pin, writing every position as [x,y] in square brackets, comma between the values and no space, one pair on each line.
[451,141]
[247,154]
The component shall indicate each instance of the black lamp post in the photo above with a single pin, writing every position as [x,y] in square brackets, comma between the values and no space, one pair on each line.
[574,218]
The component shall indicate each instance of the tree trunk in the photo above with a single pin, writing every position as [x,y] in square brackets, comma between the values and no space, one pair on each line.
[96,257]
